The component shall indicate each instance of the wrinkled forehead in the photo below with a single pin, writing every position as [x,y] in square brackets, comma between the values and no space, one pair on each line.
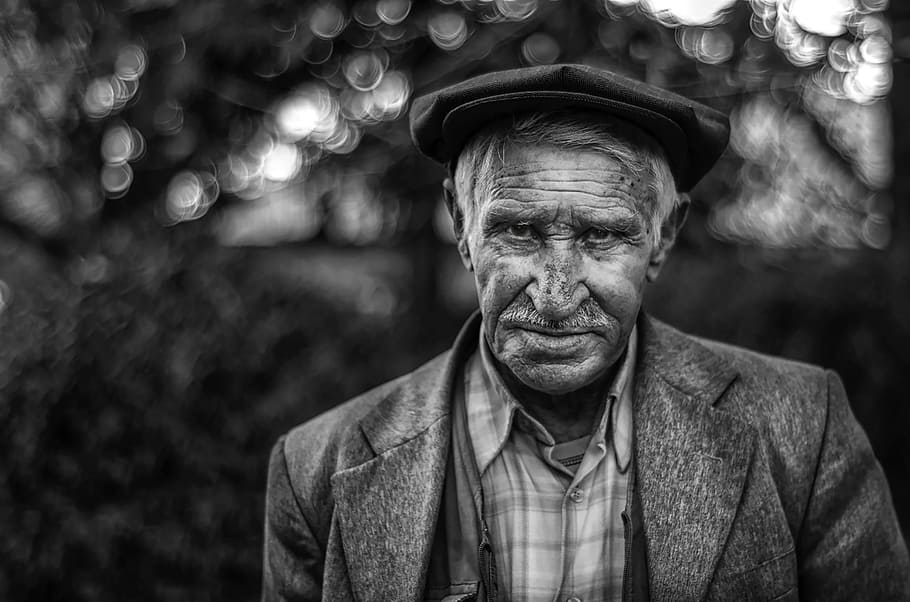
[550,167]
[567,129]
[552,179]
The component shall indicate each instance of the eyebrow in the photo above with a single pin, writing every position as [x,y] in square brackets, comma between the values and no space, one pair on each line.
[506,210]
[625,224]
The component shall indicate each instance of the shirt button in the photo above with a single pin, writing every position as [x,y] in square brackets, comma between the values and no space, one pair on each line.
[573,599]
[577,495]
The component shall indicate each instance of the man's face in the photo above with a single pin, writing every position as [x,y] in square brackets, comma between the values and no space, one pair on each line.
[561,253]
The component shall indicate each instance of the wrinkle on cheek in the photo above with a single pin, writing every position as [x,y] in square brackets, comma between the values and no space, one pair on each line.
[500,281]
[509,282]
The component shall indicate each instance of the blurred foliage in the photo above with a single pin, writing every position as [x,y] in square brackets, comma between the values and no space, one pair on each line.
[213,226]
[135,444]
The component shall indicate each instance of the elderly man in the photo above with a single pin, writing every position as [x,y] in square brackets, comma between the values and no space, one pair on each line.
[569,447]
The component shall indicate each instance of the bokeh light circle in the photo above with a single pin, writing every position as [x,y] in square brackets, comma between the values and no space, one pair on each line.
[823,17]
[281,163]
[516,10]
[870,81]
[364,70]
[364,12]
[189,195]
[540,49]
[345,139]
[872,24]
[393,12]
[389,99]
[707,45]
[117,144]
[138,145]
[807,50]
[838,56]
[448,30]
[99,98]
[762,27]
[131,62]
[875,49]
[356,105]
[687,12]
[716,47]
[310,109]
[116,179]
[327,21]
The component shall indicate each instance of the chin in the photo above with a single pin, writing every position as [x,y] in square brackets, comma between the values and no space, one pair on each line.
[554,365]
[555,379]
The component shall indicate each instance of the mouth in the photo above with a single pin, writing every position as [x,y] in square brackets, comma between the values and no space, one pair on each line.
[544,344]
[554,332]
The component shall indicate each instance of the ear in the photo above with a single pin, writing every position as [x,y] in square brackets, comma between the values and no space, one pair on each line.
[668,231]
[458,225]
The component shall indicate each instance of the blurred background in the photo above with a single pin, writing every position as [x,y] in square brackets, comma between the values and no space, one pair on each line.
[213,226]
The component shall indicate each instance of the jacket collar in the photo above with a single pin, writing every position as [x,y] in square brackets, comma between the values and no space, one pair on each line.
[683,361]
[691,459]
[422,398]
[386,508]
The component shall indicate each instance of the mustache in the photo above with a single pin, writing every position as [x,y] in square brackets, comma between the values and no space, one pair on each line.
[589,315]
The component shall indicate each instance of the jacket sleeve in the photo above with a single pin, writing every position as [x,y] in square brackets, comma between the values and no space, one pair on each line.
[292,559]
[850,545]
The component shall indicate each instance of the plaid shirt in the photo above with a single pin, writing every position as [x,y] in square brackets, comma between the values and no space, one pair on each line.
[554,510]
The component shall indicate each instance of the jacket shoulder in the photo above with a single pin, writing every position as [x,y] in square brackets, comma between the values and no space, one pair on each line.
[762,372]
[784,398]
[789,404]
[753,386]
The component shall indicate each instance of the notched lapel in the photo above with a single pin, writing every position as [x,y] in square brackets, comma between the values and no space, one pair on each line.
[692,463]
[387,507]
[387,510]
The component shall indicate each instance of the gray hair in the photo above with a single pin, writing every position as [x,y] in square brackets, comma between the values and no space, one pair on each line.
[634,150]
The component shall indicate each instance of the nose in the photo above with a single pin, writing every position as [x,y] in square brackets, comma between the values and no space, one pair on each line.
[557,288]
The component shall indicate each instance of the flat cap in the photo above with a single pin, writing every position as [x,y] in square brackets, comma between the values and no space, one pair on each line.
[692,134]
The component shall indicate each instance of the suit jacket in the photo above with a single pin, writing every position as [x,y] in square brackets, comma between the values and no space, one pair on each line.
[756,482]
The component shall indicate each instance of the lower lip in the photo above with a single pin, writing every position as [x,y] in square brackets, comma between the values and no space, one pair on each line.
[555,342]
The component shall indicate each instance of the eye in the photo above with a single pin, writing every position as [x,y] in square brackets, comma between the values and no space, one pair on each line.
[522,231]
[599,236]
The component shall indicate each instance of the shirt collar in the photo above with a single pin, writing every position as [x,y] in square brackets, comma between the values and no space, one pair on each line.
[493,410]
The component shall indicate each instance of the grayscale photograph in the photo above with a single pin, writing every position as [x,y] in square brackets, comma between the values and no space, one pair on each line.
[454,300]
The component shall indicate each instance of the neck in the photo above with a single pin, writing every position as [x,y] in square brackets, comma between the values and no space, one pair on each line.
[566,417]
